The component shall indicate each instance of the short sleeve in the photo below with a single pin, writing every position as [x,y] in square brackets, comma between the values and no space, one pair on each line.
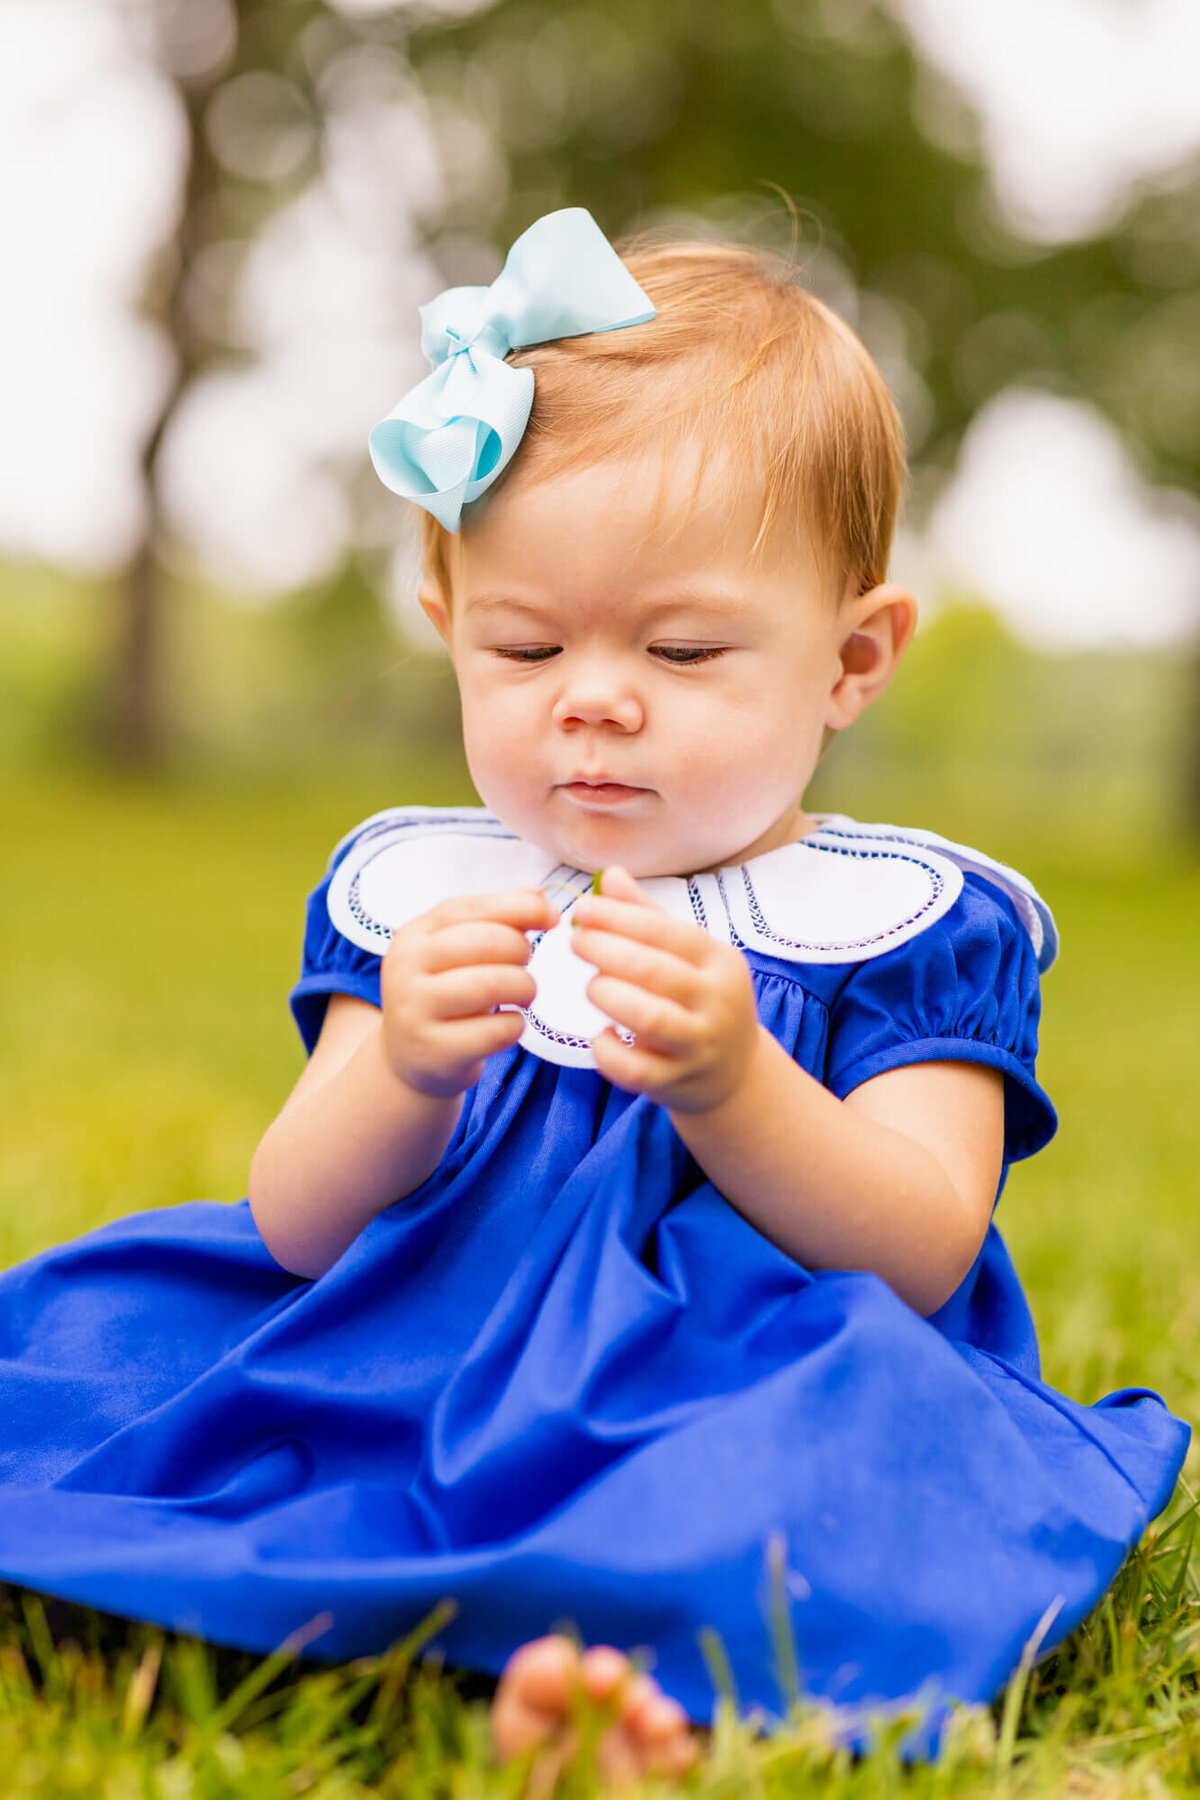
[964,990]
[329,963]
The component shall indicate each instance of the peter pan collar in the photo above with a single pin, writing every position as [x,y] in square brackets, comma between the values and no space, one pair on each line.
[843,894]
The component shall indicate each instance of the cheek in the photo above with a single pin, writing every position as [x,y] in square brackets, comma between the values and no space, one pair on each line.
[760,732]
[500,722]
[786,697]
[758,710]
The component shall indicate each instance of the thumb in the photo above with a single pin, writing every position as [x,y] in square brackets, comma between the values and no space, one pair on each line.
[617,883]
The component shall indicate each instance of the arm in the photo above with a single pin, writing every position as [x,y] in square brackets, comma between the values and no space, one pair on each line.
[373,1111]
[898,1178]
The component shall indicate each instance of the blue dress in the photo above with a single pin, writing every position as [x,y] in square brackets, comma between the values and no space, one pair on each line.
[565,1380]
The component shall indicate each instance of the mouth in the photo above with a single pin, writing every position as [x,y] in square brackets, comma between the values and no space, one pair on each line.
[597,791]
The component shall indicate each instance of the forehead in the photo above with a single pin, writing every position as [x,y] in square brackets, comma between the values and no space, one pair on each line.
[641,524]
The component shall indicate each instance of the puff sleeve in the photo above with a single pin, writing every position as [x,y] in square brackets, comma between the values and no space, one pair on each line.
[330,963]
[966,989]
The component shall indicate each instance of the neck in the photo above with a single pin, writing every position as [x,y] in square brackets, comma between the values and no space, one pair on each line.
[792,824]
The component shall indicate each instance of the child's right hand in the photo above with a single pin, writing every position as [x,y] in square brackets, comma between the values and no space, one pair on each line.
[443,976]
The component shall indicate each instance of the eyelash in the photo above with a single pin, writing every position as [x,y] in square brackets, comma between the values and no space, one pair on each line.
[676,656]
[683,658]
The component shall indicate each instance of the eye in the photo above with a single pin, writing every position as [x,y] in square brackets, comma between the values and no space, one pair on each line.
[527,653]
[683,654]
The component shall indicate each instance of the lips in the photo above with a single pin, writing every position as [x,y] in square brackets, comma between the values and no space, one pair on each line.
[592,790]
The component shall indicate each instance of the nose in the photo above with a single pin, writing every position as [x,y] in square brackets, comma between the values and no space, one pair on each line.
[597,691]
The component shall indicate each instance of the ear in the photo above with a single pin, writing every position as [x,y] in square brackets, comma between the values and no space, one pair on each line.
[433,605]
[879,626]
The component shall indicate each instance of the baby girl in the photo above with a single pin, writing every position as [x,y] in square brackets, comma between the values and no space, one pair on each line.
[622,1236]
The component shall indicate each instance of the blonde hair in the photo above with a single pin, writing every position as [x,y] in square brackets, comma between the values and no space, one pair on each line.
[742,360]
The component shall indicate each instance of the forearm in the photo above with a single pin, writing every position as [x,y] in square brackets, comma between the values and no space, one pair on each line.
[831,1187]
[339,1153]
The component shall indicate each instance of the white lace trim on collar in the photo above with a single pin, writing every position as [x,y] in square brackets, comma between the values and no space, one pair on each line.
[845,893]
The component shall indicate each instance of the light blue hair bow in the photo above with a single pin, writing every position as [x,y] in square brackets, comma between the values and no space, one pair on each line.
[452,434]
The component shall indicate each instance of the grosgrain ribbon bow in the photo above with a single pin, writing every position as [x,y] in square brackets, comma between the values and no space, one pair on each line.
[452,434]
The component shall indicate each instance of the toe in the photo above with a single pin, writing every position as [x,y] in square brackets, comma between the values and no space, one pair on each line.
[661,1719]
[604,1669]
[542,1673]
[516,1728]
[663,1734]
[532,1697]
[619,1762]
[652,1735]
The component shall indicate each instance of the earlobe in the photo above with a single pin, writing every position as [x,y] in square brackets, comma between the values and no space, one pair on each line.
[880,626]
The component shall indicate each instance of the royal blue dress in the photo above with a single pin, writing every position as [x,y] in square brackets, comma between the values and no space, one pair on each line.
[565,1380]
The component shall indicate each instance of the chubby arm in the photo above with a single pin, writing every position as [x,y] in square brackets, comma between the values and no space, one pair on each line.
[899,1177]
[379,1099]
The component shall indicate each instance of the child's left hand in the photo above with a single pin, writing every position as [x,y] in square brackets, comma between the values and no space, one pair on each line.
[688,999]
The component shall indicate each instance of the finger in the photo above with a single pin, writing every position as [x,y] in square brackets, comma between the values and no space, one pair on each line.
[528,909]
[459,993]
[658,971]
[657,1024]
[648,924]
[631,1066]
[475,941]
[618,884]
[465,1040]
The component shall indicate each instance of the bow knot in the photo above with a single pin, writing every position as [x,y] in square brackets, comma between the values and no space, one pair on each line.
[451,435]
[486,337]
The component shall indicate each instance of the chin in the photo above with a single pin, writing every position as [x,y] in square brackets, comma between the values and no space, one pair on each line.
[644,862]
[595,850]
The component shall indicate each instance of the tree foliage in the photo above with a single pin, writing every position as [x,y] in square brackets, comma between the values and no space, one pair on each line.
[807,123]
[697,106]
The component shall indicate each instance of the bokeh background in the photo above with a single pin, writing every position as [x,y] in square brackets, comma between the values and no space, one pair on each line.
[217,218]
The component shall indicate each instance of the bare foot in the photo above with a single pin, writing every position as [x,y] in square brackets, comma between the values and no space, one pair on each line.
[533,1707]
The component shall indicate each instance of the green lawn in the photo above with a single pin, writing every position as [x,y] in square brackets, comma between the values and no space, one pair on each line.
[150,934]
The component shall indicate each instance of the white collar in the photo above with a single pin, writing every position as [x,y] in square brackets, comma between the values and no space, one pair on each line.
[843,894]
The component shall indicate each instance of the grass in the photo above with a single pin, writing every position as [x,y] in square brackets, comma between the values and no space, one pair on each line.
[151,933]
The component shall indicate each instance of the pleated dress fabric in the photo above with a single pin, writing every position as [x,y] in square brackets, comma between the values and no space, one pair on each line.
[565,1380]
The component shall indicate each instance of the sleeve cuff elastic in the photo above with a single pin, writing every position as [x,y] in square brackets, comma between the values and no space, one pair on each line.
[1030,1119]
[310,996]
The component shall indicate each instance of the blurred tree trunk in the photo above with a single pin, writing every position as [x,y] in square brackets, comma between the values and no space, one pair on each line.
[132,719]
[133,724]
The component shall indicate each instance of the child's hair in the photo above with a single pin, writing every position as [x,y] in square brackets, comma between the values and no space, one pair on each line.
[745,362]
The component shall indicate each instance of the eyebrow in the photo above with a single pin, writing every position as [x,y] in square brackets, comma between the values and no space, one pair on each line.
[715,603]
[495,602]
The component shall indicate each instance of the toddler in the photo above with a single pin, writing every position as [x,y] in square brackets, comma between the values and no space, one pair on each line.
[622,1236]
